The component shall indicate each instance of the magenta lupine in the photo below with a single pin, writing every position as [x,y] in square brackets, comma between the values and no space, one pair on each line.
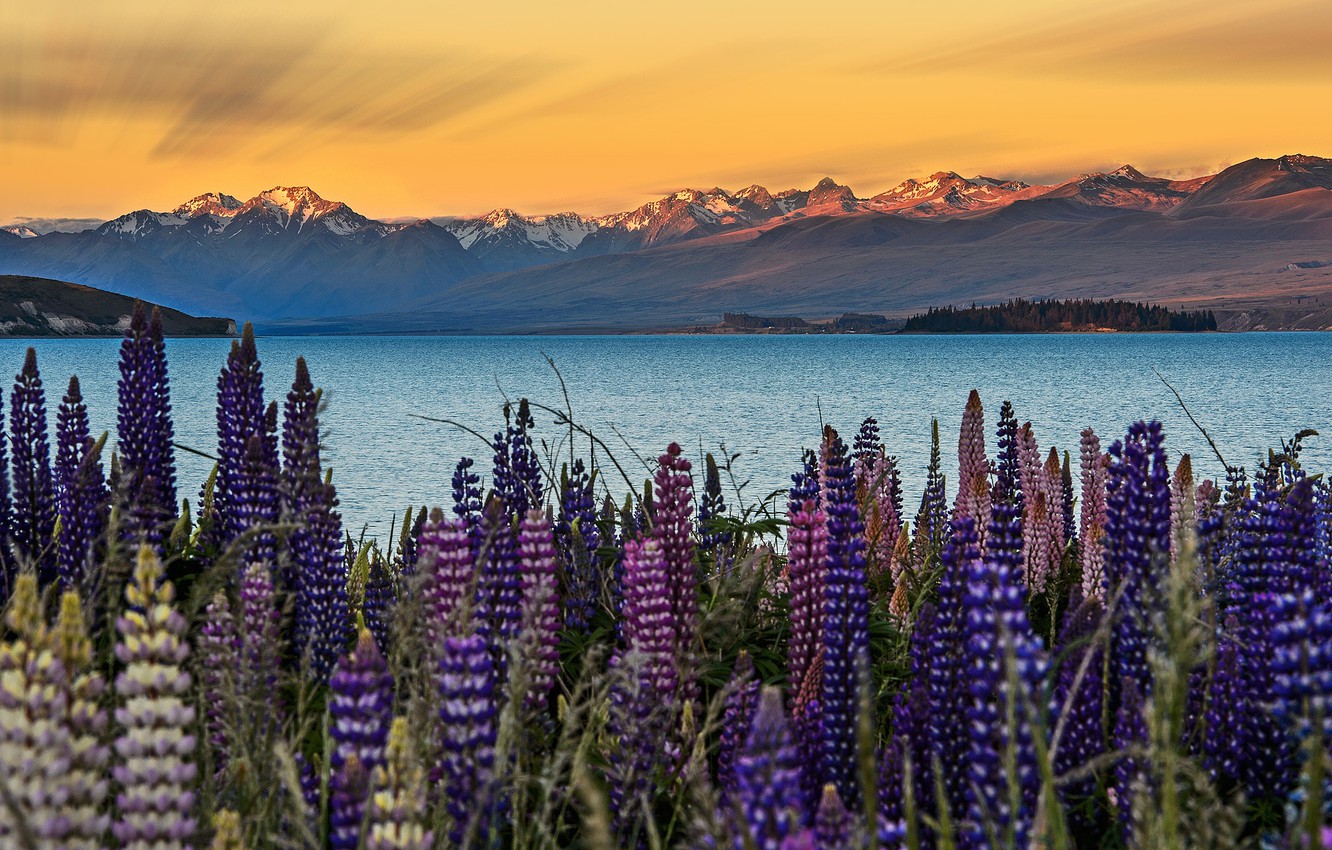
[143,424]
[973,468]
[468,711]
[154,767]
[845,624]
[360,710]
[81,497]
[807,557]
[33,519]
[741,702]
[651,628]
[1137,543]
[540,636]
[398,818]
[1091,528]
[672,528]
[768,797]
[216,655]
[444,557]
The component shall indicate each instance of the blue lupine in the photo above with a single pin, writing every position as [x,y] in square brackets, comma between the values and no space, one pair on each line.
[913,716]
[578,538]
[380,597]
[253,502]
[1225,698]
[1267,764]
[81,497]
[30,464]
[998,635]
[741,703]
[143,425]
[1273,552]
[360,710]
[1302,662]
[845,624]
[321,623]
[1137,542]
[468,714]
[767,778]
[1130,775]
[242,482]
[467,500]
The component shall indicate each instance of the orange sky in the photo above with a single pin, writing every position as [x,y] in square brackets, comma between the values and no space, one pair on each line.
[429,108]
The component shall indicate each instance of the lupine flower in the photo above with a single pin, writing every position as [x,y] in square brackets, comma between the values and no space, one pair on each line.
[892,794]
[807,545]
[240,416]
[260,640]
[577,539]
[805,483]
[1043,526]
[1182,508]
[832,822]
[1137,541]
[845,624]
[913,715]
[216,655]
[942,668]
[155,750]
[1130,775]
[467,500]
[711,506]
[227,831]
[973,468]
[879,491]
[147,453]
[499,592]
[1080,695]
[252,501]
[445,560]
[360,709]
[672,528]
[1302,662]
[34,739]
[33,521]
[1091,528]
[866,446]
[741,702]
[1066,488]
[300,442]
[997,635]
[380,596]
[398,819]
[932,517]
[651,628]
[517,474]
[81,497]
[767,778]
[1267,758]
[1225,695]
[539,638]
[467,731]
[85,786]
[321,626]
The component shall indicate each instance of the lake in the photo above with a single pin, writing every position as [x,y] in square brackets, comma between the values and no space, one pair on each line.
[762,398]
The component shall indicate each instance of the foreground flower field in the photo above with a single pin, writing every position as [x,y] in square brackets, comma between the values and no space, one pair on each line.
[1083,649]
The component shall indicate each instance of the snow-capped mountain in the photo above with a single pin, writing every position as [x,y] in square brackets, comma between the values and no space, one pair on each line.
[21,230]
[280,210]
[945,193]
[210,203]
[503,239]
[1126,188]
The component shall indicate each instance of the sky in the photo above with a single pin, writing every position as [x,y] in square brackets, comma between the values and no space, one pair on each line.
[426,108]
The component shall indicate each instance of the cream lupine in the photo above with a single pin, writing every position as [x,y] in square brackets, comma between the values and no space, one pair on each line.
[85,782]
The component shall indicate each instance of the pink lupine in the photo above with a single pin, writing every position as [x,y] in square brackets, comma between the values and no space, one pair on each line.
[973,469]
[1091,529]
[1182,504]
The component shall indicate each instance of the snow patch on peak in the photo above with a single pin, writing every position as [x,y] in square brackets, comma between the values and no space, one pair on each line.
[209,203]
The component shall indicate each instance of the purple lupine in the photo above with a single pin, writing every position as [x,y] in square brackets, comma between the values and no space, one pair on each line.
[252,501]
[1130,775]
[154,768]
[84,822]
[807,568]
[380,597]
[932,516]
[1137,543]
[360,709]
[672,528]
[1066,490]
[832,822]
[467,715]
[651,627]
[81,496]
[892,828]
[322,609]
[711,507]
[240,417]
[216,655]
[805,483]
[398,818]
[260,639]
[517,474]
[913,715]
[300,442]
[1225,696]
[1002,801]
[740,704]
[540,632]
[348,794]
[1273,552]
[1004,538]
[1302,661]
[34,742]
[879,488]
[467,500]
[1091,528]
[577,538]
[973,468]
[1267,764]
[1080,697]
[845,624]
[499,593]
[866,445]
[143,424]
[444,556]
[34,515]
[767,793]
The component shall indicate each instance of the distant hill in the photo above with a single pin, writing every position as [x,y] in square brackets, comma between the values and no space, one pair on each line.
[37,306]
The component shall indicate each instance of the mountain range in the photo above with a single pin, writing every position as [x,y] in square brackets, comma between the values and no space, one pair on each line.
[288,257]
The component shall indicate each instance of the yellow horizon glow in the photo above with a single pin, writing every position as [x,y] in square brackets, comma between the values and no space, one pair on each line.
[427,109]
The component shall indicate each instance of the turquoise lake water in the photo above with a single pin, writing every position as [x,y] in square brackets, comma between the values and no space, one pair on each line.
[760,397]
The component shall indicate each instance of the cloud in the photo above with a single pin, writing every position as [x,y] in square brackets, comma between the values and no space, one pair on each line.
[54,225]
